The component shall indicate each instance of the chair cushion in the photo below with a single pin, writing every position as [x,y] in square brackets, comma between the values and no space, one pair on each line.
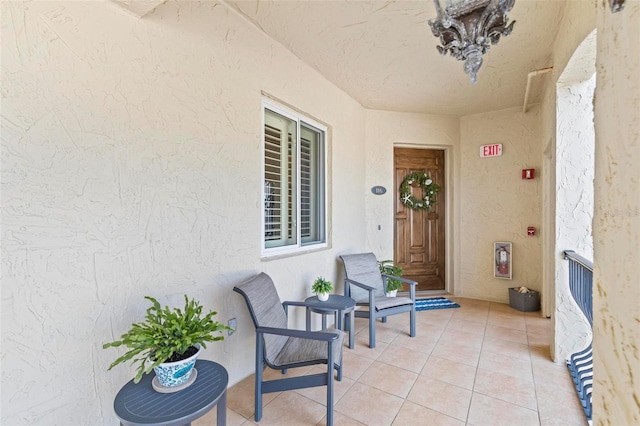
[363,268]
[297,350]
[385,302]
[391,302]
[266,310]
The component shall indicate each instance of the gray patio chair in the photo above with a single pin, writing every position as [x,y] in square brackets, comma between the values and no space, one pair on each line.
[282,348]
[366,285]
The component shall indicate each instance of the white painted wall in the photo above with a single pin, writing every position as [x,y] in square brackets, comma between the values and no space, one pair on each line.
[616,226]
[574,168]
[384,130]
[485,201]
[496,204]
[577,23]
[130,167]
[574,202]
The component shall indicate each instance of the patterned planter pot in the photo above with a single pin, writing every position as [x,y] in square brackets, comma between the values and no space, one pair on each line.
[172,374]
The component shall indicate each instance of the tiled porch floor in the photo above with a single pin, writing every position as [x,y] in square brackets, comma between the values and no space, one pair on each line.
[481,364]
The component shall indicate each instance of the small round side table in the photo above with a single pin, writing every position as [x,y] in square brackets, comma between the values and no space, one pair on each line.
[341,305]
[138,404]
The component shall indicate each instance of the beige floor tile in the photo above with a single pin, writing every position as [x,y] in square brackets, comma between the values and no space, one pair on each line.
[556,376]
[457,351]
[369,405]
[415,415]
[495,412]
[539,325]
[470,315]
[240,398]
[471,303]
[430,329]
[422,342]
[446,376]
[504,308]
[292,408]
[540,354]
[505,347]
[557,422]
[466,308]
[211,418]
[271,374]
[434,315]
[319,393]
[560,405]
[509,321]
[505,333]
[385,333]
[462,337]
[388,378]
[536,340]
[507,388]
[403,357]
[451,372]
[340,419]
[354,365]
[440,396]
[397,320]
[362,345]
[514,367]
[466,325]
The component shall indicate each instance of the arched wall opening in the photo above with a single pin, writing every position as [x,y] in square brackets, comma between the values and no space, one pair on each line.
[574,199]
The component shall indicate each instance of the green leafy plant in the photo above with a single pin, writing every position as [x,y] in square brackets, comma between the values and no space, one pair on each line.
[166,334]
[389,268]
[320,285]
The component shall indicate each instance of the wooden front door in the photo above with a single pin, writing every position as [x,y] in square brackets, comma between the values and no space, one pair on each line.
[419,234]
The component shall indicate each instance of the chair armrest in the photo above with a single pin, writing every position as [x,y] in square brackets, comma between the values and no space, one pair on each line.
[327,305]
[412,284]
[302,334]
[404,280]
[294,303]
[359,284]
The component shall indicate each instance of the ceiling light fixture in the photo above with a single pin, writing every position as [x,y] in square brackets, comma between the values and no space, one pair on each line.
[616,5]
[467,28]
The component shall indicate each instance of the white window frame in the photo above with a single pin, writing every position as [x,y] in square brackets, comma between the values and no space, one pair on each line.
[299,246]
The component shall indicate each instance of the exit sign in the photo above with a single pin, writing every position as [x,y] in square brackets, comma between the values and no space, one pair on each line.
[493,150]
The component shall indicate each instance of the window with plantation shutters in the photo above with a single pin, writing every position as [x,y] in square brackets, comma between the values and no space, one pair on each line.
[294,213]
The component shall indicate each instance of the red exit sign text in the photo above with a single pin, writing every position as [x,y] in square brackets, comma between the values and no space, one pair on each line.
[493,150]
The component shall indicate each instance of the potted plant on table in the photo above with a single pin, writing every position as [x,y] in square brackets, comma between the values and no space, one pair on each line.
[322,288]
[389,268]
[168,342]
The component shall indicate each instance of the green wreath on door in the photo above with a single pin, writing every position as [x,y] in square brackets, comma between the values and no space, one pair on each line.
[429,191]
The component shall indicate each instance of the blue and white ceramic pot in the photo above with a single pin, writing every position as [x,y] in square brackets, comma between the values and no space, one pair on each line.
[172,374]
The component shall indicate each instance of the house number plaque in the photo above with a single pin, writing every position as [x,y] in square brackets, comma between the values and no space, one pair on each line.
[378,190]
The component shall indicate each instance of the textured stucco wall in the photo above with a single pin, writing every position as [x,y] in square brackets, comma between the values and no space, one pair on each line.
[131,167]
[384,130]
[616,225]
[574,205]
[577,23]
[496,204]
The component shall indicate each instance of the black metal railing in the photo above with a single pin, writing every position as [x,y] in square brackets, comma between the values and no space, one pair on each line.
[580,364]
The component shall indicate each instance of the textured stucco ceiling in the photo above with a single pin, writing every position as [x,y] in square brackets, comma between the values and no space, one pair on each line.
[384,55]
[139,7]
